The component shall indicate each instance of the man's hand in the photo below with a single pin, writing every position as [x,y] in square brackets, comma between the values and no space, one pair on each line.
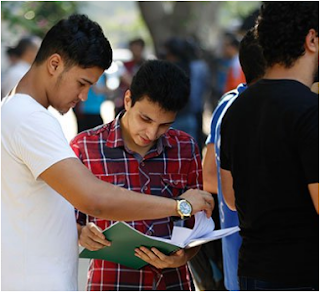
[159,260]
[200,201]
[92,238]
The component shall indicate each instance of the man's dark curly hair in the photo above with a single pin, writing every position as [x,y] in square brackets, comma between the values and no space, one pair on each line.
[163,82]
[79,41]
[283,27]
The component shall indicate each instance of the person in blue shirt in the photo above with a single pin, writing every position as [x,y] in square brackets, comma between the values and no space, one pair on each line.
[88,112]
[253,66]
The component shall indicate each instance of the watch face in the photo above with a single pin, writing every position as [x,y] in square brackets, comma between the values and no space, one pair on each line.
[185,208]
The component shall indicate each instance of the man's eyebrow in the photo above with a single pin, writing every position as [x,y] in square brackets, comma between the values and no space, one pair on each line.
[87,80]
[169,123]
[146,117]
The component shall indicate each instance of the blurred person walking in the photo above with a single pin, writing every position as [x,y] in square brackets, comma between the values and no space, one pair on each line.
[200,77]
[21,57]
[88,113]
[235,74]
[129,69]
[176,50]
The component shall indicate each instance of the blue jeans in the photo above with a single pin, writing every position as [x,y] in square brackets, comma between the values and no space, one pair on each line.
[250,284]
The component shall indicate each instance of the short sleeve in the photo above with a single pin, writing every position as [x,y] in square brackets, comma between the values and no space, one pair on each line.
[39,142]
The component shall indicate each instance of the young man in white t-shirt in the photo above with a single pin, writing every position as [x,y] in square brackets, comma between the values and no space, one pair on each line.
[41,176]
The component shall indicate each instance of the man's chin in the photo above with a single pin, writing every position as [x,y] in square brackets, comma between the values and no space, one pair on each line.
[63,112]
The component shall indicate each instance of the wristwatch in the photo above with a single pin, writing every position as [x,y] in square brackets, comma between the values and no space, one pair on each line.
[184,208]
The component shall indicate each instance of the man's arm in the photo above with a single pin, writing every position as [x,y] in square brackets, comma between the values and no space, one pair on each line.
[209,166]
[227,188]
[314,193]
[210,177]
[84,191]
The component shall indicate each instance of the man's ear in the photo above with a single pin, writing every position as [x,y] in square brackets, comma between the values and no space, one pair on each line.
[127,100]
[55,64]
[312,41]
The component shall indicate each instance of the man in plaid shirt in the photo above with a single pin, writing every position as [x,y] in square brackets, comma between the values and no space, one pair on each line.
[139,151]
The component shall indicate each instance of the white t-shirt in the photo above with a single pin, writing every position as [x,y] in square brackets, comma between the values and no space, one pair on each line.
[39,248]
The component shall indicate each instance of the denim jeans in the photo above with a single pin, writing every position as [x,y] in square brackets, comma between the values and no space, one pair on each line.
[250,284]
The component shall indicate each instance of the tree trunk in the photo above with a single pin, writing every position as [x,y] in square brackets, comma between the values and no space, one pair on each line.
[185,19]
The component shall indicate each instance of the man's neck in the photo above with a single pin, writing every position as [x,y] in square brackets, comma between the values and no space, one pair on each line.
[298,72]
[32,84]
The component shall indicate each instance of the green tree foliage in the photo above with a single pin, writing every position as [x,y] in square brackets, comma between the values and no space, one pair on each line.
[36,17]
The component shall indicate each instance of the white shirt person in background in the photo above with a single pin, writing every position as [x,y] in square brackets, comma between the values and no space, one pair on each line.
[24,52]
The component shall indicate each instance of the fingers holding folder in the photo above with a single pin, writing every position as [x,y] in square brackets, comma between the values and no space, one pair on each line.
[92,238]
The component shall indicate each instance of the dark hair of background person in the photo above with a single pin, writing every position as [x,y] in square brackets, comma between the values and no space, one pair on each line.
[22,46]
[249,50]
[278,22]
[79,41]
[163,82]
[232,40]
[138,41]
[12,54]
[178,48]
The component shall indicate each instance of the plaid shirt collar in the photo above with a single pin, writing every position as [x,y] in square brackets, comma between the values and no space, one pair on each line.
[114,138]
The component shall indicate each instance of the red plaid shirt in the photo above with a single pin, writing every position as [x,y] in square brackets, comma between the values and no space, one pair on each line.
[169,168]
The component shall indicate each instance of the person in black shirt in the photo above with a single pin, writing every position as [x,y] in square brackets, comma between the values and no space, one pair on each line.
[270,154]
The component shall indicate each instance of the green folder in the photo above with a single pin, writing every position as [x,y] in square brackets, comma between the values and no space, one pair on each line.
[124,240]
